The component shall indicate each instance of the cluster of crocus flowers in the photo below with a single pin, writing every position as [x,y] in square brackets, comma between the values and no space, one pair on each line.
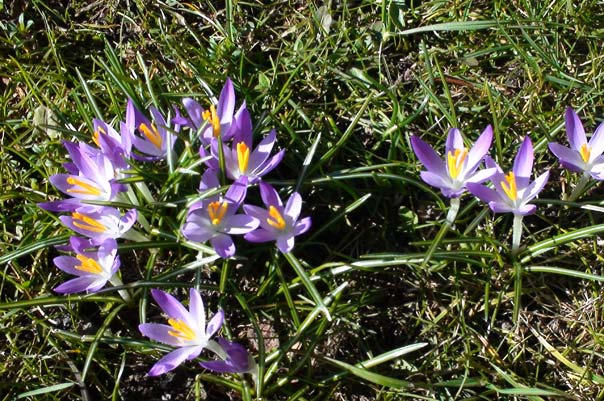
[188,333]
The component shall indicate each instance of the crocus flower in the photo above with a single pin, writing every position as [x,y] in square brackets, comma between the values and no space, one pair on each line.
[216,120]
[277,223]
[154,139]
[241,160]
[216,219]
[460,165]
[91,176]
[99,222]
[235,359]
[186,329]
[582,156]
[513,191]
[93,269]
[116,146]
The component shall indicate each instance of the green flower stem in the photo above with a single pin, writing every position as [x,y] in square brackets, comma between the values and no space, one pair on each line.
[224,276]
[516,235]
[449,221]
[221,161]
[579,188]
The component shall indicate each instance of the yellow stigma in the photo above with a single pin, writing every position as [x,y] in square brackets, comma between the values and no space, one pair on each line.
[585,152]
[151,134]
[275,219]
[87,223]
[243,156]
[211,116]
[456,161]
[181,330]
[86,189]
[216,211]
[510,188]
[96,134]
[89,265]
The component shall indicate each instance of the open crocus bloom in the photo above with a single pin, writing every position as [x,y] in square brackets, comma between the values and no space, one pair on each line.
[186,329]
[582,156]
[242,160]
[277,223]
[99,222]
[215,219]
[93,269]
[460,165]
[514,190]
[153,140]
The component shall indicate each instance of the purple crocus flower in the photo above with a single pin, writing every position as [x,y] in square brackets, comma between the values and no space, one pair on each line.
[216,120]
[235,359]
[216,219]
[93,269]
[91,176]
[277,222]
[99,222]
[460,165]
[582,156]
[186,329]
[241,160]
[514,190]
[116,146]
[153,139]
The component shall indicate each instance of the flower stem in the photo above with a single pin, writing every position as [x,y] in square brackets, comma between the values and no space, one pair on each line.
[516,235]
[579,188]
[449,221]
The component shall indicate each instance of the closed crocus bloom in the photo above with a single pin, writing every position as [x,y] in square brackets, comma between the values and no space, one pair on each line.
[460,165]
[186,330]
[583,156]
[93,269]
[277,222]
[116,146]
[234,359]
[512,191]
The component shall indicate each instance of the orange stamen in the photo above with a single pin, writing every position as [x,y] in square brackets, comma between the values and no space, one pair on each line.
[276,219]
[181,330]
[87,189]
[151,134]
[216,211]
[87,223]
[510,188]
[585,152]
[88,265]
[243,156]
[211,116]
[455,161]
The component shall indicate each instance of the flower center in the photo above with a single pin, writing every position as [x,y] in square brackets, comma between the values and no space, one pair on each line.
[243,156]
[456,160]
[510,188]
[211,116]
[585,152]
[85,188]
[276,219]
[216,211]
[87,223]
[181,330]
[151,134]
[89,265]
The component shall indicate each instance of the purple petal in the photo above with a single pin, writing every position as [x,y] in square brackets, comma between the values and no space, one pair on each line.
[302,226]
[196,308]
[427,156]
[263,150]
[294,206]
[68,264]
[568,157]
[536,186]
[223,245]
[574,129]
[237,359]
[160,333]
[267,167]
[501,207]
[172,307]
[435,179]
[236,192]
[285,243]
[454,141]
[269,195]
[226,103]
[198,233]
[255,211]
[483,193]
[243,126]
[260,235]
[524,210]
[215,323]
[482,175]
[195,112]
[523,163]
[84,283]
[596,142]
[173,359]
[240,224]
[66,205]
[480,148]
